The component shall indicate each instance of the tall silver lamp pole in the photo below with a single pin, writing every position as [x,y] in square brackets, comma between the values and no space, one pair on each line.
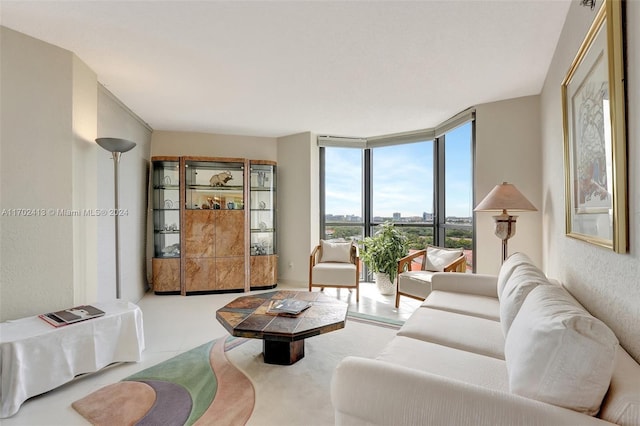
[116,147]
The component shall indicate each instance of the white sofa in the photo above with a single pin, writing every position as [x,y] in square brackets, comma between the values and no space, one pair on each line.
[467,356]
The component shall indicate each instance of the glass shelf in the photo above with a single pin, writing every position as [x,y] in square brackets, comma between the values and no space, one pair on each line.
[262,192]
[166,209]
[214,185]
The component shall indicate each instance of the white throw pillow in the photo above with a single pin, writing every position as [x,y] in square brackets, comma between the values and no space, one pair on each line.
[437,258]
[524,278]
[507,268]
[333,251]
[556,352]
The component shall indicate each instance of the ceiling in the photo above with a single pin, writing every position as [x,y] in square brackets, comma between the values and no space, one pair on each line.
[274,68]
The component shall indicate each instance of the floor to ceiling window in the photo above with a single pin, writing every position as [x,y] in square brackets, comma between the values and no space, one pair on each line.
[402,190]
[343,193]
[424,185]
[456,222]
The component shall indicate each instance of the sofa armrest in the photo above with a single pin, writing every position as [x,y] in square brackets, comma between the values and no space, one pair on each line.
[480,284]
[369,392]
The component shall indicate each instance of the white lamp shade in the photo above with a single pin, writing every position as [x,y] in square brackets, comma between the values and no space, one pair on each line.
[505,197]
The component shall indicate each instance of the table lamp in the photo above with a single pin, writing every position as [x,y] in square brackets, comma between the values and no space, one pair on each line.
[502,198]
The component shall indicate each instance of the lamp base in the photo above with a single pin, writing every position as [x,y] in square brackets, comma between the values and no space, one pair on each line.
[505,228]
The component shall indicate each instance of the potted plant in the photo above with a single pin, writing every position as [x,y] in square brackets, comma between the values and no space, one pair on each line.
[381,253]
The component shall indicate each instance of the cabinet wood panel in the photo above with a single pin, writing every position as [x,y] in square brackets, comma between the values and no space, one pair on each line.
[165,275]
[199,233]
[200,274]
[229,236]
[230,273]
[264,270]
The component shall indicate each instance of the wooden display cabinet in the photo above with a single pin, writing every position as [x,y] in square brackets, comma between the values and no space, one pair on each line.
[221,242]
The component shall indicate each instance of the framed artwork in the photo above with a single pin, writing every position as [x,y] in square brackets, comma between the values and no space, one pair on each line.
[595,158]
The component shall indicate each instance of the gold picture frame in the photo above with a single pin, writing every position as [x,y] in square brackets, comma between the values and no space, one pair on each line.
[595,157]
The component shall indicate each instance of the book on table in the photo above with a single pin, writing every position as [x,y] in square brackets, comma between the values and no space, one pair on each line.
[287,307]
[72,315]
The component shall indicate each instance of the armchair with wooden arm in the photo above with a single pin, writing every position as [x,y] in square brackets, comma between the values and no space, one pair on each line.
[417,283]
[335,267]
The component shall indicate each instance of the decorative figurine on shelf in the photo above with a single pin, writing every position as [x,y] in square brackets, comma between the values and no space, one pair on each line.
[220,179]
[172,250]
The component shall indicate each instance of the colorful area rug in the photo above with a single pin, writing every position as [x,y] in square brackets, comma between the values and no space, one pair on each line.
[226,382]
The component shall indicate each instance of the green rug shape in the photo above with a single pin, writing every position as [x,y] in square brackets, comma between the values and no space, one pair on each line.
[198,378]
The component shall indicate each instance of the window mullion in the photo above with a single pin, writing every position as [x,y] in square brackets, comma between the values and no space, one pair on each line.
[439,192]
[367,192]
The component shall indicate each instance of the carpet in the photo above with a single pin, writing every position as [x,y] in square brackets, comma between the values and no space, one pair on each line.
[226,382]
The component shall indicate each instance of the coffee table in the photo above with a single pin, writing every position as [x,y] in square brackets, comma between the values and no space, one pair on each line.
[283,337]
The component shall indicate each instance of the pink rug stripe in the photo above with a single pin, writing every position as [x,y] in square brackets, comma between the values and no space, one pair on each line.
[235,397]
[119,404]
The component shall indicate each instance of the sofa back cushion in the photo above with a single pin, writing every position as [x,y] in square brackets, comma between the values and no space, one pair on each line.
[507,268]
[437,258]
[556,352]
[525,277]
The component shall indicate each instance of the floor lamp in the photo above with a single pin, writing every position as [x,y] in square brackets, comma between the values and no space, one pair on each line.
[502,198]
[116,147]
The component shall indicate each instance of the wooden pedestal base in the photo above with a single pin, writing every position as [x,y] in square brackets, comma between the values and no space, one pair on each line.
[282,353]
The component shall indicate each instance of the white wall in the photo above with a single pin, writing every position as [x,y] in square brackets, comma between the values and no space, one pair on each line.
[213,145]
[608,284]
[46,93]
[116,120]
[83,181]
[50,163]
[298,205]
[508,149]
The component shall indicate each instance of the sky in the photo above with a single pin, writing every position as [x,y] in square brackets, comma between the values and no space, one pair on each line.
[402,178]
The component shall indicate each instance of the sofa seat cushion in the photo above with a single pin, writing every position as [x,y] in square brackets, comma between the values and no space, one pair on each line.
[464,332]
[416,283]
[466,304]
[447,362]
[557,353]
[334,273]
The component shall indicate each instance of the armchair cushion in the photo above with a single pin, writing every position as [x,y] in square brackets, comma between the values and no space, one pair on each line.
[334,273]
[556,352]
[416,283]
[437,258]
[333,251]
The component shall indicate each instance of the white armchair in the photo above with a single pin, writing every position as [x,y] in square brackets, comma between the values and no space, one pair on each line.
[417,284]
[335,264]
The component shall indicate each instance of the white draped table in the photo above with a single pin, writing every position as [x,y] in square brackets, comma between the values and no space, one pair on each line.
[36,357]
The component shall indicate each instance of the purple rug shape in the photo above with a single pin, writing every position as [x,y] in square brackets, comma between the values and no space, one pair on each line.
[172,406]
